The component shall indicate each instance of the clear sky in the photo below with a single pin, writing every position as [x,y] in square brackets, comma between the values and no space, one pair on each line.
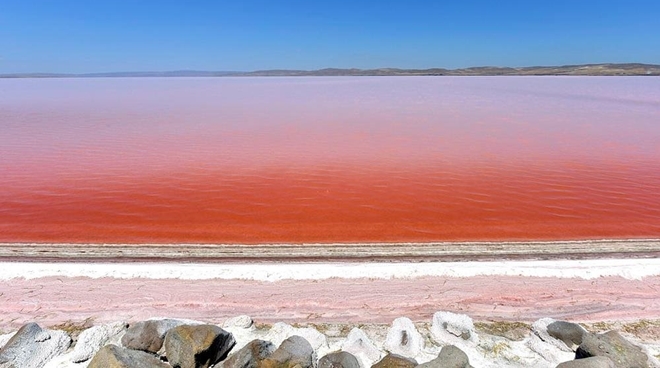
[80,36]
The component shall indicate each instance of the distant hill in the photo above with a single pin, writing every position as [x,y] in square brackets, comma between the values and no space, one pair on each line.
[585,69]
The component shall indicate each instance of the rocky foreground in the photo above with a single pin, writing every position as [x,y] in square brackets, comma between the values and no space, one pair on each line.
[449,340]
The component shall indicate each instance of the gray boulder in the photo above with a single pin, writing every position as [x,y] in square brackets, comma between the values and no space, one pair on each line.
[339,359]
[113,356]
[570,333]
[614,346]
[395,361]
[593,362]
[540,329]
[293,352]
[33,347]
[149,335]
[198,346]
[250,356]
[450,357]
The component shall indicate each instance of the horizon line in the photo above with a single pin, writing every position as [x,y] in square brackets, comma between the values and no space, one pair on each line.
[654,69]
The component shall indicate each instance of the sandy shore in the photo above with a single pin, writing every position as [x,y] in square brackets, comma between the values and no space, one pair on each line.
[53,290]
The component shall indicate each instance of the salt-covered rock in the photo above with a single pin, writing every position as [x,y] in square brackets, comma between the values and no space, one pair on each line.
[94,338]
[5,337]
[293,352]
[250,356]
[242,328]
[593,362]
[395,361]
[90,341]
[403,338]
[339,359]
[453,328]
[149,335]
[282,331]
[197,346]
[549,352]
[359,344]
[113,356]
[242,321]
[33,347]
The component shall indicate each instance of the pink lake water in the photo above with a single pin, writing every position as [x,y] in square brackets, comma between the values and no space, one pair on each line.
[260,160]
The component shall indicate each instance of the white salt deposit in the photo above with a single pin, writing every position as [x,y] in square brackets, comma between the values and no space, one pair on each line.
[634,269]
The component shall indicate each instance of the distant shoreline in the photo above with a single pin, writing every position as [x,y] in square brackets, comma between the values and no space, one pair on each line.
[605,69]
[331,252]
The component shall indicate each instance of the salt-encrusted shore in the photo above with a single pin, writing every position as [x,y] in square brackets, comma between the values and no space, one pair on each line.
[580,290]
[621,287]
[630,269]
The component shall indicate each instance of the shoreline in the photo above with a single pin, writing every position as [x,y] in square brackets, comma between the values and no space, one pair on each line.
[597,290]
[323,252]
[47,284]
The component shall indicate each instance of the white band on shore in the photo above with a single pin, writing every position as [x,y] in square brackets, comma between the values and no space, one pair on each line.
[634,269]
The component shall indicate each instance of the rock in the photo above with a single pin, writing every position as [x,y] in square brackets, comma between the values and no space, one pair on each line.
[197,346]
[242,321]
[452,328]
[403,338]
[149,335]
[614,346]
[569,333]
[33,347]
[282,331]
[592,362]
[339,359]
[449,357]
[113,356]
[242,328]
[89,342]
[359,344]
[395,361]
[293,352]
[5,337]
[250,356]
[540,329]
[93,338]
[549,352]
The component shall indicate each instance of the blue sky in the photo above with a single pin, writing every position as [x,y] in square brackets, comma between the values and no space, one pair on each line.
[80,36]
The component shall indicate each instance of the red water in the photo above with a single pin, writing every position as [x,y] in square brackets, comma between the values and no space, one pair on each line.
[254,160]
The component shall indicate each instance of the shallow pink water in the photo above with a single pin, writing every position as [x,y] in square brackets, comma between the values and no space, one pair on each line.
[253,160]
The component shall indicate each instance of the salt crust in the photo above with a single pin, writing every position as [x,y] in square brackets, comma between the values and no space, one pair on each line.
[633,269]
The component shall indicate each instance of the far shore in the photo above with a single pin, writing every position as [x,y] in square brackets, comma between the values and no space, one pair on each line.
[333,252]
[601,69]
